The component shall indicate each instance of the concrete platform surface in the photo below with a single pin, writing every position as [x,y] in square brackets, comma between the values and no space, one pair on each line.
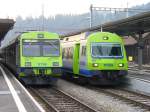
[13,96]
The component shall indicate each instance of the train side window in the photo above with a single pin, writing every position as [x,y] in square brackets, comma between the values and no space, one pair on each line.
[68,53]
[83,53]
[71,52]
[63,53]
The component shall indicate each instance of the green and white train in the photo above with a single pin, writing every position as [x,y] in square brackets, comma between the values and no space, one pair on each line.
[35,57]
[96,58]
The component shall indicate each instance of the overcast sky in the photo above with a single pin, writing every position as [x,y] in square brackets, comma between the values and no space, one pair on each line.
[24,8]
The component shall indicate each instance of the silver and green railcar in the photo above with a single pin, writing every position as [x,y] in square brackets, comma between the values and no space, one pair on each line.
[35,56]
[98,57]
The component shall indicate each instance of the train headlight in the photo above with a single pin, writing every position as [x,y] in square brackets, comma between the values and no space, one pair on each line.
[55,63]
[120,64]
[95,64]
[28,64]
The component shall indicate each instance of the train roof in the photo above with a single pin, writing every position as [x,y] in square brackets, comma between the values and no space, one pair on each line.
[39,34]
[85,35]
[27,33]
[78,37]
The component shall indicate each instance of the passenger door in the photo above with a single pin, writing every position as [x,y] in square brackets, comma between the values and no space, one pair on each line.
[76,58]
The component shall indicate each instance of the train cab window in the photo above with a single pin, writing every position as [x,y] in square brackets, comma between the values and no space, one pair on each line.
[41,47]
[110,50]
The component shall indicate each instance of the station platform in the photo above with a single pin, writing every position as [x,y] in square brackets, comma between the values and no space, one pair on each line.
[13,96]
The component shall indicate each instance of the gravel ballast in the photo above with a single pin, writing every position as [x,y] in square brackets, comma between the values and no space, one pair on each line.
[96,100]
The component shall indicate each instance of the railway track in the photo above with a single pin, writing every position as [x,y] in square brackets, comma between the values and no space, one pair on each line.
[135,68]
[58,101]
[136,98]
[144,67]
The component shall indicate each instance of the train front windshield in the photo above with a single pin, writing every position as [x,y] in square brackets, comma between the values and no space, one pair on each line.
[106,50]
[41,48]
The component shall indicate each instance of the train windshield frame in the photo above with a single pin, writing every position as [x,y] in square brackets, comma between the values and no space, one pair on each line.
[40,47]
[106,50]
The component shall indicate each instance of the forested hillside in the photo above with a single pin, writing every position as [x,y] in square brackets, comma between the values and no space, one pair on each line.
[66,23]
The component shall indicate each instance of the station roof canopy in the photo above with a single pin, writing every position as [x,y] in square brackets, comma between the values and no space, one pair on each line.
[5,26]
[139,23]
[135,24]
